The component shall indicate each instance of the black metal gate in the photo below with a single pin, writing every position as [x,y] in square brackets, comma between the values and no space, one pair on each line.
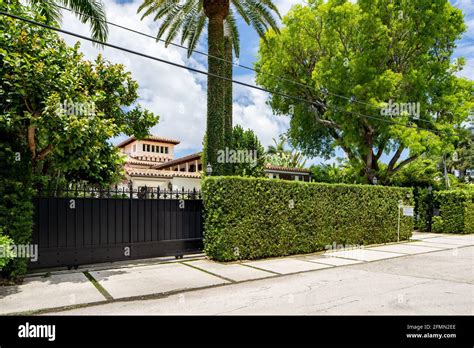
[74,227]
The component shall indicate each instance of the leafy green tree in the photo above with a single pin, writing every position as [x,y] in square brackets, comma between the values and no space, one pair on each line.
[247,141]
[424,172]
[370,52]
[188,18]
[463,157]
[58,112]
[335,173]
[65,107]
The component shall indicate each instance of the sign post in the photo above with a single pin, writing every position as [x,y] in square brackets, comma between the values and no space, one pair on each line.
[407,211]
[400,205]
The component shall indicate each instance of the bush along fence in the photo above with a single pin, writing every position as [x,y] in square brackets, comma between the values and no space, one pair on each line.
[424,208]
[454,211]
[250,218]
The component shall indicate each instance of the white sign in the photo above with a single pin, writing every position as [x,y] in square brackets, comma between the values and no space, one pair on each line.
[408,211]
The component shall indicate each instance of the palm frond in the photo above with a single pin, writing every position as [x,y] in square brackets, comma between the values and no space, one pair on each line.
[91,12]
[47,9]
[185,11]
[264,14]
[196,33]
[232,28]
[255,18]
[151,6]
[241,10]
[171,16]
[189,19]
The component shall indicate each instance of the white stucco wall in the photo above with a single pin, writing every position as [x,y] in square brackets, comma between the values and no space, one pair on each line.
[187,183]
[178,183]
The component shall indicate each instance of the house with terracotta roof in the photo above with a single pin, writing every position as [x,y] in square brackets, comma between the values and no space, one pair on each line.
[150,162]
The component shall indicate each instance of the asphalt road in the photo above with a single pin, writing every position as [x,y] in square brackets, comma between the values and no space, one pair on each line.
[440,282]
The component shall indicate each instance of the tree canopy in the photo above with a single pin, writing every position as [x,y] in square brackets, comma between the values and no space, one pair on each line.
[254,160]
[352,61]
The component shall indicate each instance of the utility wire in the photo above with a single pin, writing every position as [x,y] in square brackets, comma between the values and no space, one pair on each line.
[203,72]
[281,78]
[220,58]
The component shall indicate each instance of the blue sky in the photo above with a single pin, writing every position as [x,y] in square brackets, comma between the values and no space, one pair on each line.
[183,110]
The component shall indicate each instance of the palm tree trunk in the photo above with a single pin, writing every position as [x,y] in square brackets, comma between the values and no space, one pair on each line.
[228,98]
[215,93]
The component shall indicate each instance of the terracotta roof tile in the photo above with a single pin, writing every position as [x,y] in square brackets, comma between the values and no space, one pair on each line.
[156,173]
[286,169]
[194,156]
[149,138]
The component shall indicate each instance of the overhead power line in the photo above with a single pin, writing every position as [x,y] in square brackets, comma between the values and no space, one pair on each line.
[351,99]
[281,78]
[284,95]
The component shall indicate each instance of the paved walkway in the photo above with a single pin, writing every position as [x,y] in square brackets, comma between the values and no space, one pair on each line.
[434,274]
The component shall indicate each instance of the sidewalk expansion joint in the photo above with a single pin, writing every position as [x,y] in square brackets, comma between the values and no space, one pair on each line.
[262,269]
[99,287]
[208,272]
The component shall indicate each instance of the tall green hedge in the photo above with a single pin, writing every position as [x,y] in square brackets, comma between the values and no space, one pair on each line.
[16,193]
[423,208]
[469,217]
[456,215]
[250,218]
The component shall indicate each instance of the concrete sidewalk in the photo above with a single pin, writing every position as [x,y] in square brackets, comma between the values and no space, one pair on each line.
[134,289]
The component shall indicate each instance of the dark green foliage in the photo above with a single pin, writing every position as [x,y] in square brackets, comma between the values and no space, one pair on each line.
[215,96]
[343,173]
[469,217]
[38,142]
[424,205]
[251,218]
[246,140]
[16,208]
[453,206]
[228,130]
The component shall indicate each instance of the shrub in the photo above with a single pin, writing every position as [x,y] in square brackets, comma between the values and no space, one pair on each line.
[437,224]
[250,218]
[455,208]
[423,208]
[5,245]
[469,217]
[16,207]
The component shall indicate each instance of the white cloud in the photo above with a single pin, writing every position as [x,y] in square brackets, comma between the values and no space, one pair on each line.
[253,112]
[285,5]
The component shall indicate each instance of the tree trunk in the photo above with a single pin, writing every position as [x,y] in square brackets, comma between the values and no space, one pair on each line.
[228,98]
[216,11]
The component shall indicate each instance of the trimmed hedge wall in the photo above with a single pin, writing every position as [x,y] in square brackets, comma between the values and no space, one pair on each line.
[469,218]
[424,205]
[456,211]
[250,218]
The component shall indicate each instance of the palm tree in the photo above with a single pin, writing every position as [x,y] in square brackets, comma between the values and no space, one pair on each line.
[278,147]
[88,11]
[279,156]
[188,18]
